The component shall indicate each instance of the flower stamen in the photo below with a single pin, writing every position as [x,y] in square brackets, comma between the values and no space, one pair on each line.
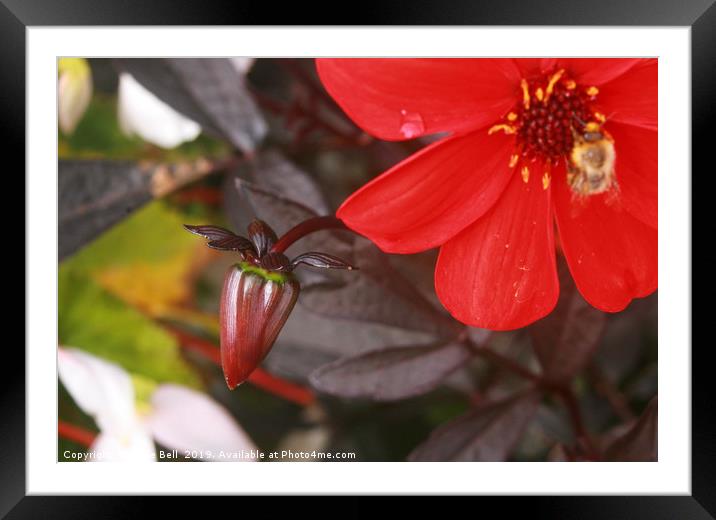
[508,129]
[592,91]
[513,160]
[525,93]
[525,174]
[552,81]
[546,178]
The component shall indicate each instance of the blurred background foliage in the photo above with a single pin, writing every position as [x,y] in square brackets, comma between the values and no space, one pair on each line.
[136,289]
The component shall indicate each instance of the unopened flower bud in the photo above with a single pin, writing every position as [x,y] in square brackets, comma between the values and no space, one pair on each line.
[255,304]
[258,295]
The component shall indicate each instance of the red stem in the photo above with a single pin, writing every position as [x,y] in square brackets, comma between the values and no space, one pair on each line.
[259,377]
[75,433]
[282,388]
[305,228]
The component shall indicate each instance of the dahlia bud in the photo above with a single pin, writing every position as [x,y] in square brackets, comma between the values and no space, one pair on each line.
[255,303]
[258,295]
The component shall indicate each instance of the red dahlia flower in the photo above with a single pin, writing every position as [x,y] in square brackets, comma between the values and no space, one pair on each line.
[528,139]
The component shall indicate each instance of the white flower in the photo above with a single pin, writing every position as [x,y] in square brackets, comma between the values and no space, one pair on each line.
[144,114]
[178,417]
[74,92]
[243,65]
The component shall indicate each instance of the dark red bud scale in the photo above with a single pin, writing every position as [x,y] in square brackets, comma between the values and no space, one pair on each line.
[255,304]
[260,291]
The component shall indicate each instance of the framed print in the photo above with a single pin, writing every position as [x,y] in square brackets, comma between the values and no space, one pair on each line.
[403,260]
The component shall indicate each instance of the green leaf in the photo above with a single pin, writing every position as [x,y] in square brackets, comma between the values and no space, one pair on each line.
[155,233]
[92,319]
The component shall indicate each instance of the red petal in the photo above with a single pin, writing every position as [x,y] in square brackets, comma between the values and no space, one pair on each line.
[637,171]
[597,71]
[633,97]
[535,66]
[500,273]
[431,196]
[611,254]
[401,98]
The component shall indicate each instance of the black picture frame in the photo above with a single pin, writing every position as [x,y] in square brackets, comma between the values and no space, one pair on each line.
[17,15]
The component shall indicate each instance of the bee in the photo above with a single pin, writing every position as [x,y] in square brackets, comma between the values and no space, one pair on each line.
[590,166]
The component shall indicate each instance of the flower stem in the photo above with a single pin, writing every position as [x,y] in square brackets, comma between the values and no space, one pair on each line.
[259,377]
[305,228]
[75,433]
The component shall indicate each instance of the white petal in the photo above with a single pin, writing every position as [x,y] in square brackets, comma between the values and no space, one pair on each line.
[101,389]
[74,91]
[184,419]
[243,65]
[144,114]
[135,445]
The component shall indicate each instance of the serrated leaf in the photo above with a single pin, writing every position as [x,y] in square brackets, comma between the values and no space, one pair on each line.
[91,319]
[640,442]
[392,373]
[211,91]
[272,172]
[282,214]
[378,293]
[487,433]
[565,340]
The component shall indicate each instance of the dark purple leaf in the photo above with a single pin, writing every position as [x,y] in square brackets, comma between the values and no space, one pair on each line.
[212,92]
[321,260]
[262,236]
[274,173]
[379,293]
[295,362]
[487,433]
[283,214]
[391,373]
[640,442]
[95,195]
[566,339]
[222,239]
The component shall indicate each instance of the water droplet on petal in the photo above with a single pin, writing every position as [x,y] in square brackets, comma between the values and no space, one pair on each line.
[411,124]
